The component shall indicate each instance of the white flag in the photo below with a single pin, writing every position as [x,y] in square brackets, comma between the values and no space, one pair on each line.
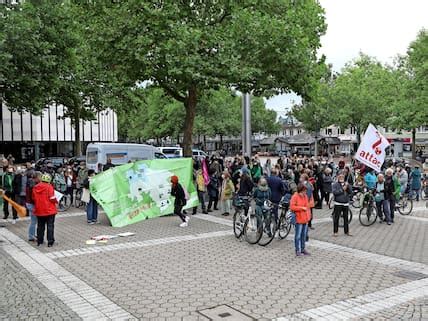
[372,148]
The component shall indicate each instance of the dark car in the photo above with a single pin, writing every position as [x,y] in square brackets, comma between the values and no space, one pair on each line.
[42,162]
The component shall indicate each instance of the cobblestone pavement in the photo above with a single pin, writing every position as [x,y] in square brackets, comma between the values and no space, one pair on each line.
[24,298]
[167,272]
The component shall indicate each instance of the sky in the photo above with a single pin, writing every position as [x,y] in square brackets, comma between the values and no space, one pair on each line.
[379,28]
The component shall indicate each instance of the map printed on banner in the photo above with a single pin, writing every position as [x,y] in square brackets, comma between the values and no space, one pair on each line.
[371,151]
[137,191]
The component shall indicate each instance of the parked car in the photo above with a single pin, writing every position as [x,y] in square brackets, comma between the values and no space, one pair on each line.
[42,162]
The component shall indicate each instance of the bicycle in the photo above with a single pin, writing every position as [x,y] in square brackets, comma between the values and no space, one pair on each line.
[404,205]
[268,224]
[356,197]
[341,220]
[285,219]
[64,203]
[368,213]
[245,222]
[78,199]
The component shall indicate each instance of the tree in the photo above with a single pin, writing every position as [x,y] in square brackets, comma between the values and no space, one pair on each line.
[409,109]
[150,114]
[46,60]
[189,47]
[361,94]
[263,120]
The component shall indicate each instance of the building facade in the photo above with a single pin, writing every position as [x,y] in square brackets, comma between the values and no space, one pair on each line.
[28,137]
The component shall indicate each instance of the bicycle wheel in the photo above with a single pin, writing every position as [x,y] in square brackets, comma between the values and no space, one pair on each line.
[368,215]
[253,229]
[405,206]
[330,203]
[268,223]
[341,223]
[356,200]
[238,223]
[284,226]
[78,199]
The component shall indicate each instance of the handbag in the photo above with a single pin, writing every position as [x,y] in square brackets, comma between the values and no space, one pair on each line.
[86,195]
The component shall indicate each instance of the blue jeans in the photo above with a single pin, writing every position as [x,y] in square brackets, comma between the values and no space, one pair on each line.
[301,230]
[92,210]
[33,221]
[383,208]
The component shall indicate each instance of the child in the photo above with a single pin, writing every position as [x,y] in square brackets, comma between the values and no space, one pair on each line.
[45,209]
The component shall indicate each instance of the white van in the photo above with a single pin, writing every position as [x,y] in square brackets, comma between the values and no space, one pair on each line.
[120,154]
[177,152]
[172,152]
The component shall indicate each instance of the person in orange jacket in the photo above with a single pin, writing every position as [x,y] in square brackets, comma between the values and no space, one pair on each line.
[299,204]
[45,209]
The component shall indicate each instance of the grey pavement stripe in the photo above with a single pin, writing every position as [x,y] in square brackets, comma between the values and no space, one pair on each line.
[365,304]
[373,257]
[85,301]
[132,245]
[416,218]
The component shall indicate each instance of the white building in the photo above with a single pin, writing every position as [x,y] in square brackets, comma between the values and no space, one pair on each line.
[29,137]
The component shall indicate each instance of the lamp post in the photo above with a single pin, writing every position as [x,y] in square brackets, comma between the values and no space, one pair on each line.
[246,125]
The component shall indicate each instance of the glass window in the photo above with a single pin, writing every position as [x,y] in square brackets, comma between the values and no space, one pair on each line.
[92,156]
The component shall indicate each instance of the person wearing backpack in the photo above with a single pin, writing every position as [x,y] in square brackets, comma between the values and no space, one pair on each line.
[177,191]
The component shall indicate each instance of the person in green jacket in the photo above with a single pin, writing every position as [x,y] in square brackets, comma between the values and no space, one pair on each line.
[7,186]
[256,172]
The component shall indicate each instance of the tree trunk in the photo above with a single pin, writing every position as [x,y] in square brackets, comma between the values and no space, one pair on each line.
[205,143]
[413,143]
[358,136]
[190,105]
[77,142]
[221,142]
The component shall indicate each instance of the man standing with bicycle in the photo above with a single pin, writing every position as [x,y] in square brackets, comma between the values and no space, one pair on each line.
[342,193]
[392,188]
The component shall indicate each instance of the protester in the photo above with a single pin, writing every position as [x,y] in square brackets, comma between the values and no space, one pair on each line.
[262,193]
[227,191]
[213,190]
[108,165]
[19,184]
[416,182]
[267,168]
[82,174]
[45,209]
[92,206]
[69,180]
[7,186]
[327,181]
[342,193]
[200,187]
[403,178]
[392,190]
[299,204]
[276,185]
[256,171]
[382,203]
[370,179]
[33,178]
[177,191]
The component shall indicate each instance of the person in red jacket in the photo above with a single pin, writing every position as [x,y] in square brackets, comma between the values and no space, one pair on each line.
[299,204]
[45,209]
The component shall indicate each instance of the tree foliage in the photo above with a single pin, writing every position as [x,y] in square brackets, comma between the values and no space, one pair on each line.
[188,48]
[46,59]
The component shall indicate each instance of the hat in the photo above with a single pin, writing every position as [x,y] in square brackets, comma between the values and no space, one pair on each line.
[174,179]
[46,178]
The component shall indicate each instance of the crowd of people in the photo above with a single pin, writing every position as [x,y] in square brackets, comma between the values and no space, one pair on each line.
[34,189]
[307,183]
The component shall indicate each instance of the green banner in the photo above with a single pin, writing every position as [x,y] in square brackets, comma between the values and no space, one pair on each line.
[134,192]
